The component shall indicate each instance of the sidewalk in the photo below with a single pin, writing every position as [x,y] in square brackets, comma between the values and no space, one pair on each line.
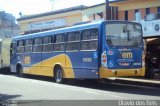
[138,81]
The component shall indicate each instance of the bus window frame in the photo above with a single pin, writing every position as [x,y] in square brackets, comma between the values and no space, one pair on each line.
[75,41]
[63,42]
[17,43]
[36,45]
[48,43]
[29,45]
[89,40]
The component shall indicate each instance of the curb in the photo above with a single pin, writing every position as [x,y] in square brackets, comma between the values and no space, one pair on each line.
[139,82]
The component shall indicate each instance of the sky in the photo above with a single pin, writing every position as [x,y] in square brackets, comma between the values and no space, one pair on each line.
[29,7]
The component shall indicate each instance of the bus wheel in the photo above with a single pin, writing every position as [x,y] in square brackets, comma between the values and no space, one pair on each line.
[19,70]
[58,74]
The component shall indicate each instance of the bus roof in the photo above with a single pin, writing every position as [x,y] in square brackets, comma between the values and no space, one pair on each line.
[93,24]
[87,25]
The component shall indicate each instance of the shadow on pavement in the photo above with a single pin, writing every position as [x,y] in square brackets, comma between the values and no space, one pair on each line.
[8,97]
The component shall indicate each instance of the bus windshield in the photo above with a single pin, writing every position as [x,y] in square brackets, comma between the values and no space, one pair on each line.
[118,34]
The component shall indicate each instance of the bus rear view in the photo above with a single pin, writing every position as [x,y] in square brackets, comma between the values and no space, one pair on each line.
[122,50]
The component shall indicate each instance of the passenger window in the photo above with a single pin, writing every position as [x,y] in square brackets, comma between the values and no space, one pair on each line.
[59,42]
[73,41]
[73,36]
[37,41]
[94,33]
[29,42]
[59,38]
[21,43]
[47,44]
[20,48]
[89,39]
[37,47]
[86,35]
[28,45]
[47,40]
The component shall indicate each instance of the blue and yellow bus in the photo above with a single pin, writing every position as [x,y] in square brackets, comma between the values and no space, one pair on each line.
[92,50]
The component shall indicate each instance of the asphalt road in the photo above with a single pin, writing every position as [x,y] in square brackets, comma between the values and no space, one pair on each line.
[33,88]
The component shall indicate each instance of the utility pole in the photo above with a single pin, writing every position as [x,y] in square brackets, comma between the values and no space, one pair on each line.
[52,4]
[108,10]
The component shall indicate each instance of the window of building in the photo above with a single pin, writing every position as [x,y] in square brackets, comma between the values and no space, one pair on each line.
[37,47]
[59,42]
[136,10]
[28,45]
[20,48]
[147,11]
[73,41]
[126,15]
[47,44]
[137,15]
[89,39]
[158,9]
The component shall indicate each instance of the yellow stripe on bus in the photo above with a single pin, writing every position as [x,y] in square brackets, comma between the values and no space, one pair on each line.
[46,67]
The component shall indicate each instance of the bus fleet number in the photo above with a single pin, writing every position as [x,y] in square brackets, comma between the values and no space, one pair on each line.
[87,59]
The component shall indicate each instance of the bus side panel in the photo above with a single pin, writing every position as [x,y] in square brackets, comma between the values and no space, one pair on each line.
[47,67]
[34,63]
[84,64]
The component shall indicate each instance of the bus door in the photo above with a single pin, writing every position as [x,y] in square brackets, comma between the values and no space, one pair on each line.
[124,46]
[13,59]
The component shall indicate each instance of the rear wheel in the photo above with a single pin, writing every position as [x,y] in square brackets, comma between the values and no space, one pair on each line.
[58,75]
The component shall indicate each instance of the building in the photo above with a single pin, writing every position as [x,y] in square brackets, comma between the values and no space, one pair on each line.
[8,27]
[50,20]
[131,10]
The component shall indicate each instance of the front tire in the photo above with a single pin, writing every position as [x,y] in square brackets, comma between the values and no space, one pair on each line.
[58,75]
[19,71]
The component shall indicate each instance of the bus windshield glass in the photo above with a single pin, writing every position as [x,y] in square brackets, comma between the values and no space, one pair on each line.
[118,34]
